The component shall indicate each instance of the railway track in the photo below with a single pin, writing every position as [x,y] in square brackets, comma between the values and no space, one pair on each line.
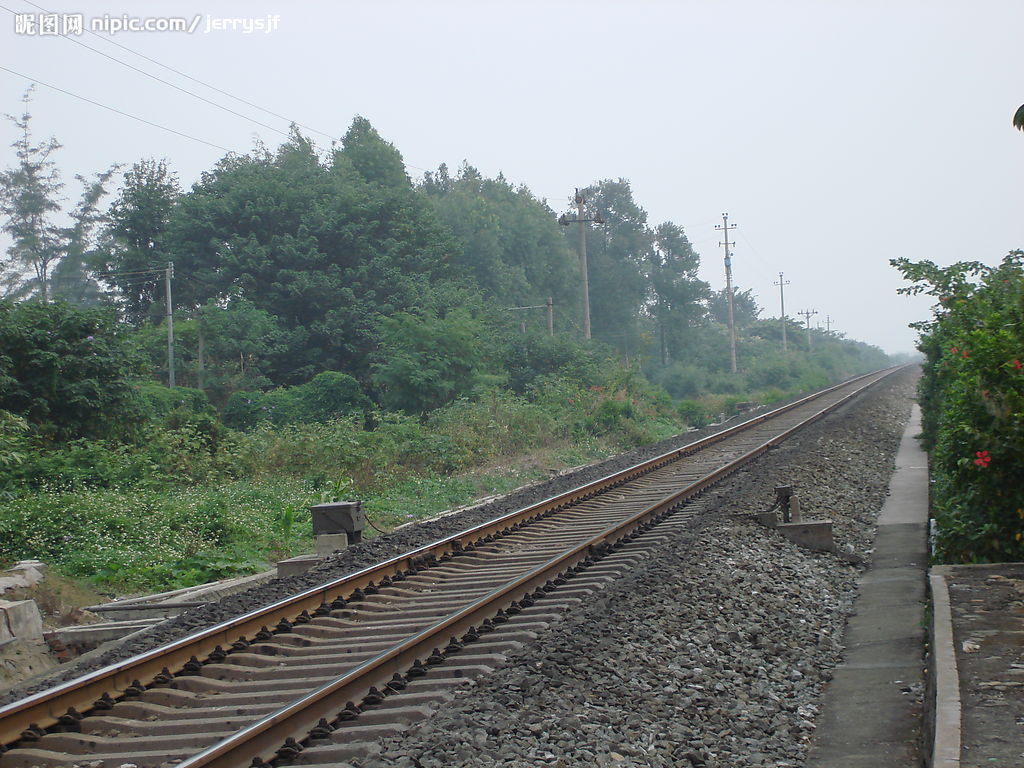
[310,679]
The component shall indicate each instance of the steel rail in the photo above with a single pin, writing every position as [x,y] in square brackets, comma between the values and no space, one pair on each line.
[44,709]
[298,717]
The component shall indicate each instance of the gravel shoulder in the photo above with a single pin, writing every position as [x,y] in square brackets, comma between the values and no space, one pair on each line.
[714,652]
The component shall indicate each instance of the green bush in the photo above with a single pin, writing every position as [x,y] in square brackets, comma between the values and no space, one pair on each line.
[329,395]
[693,413]
[159,401]
[972,400]
[67,371]
[683,381]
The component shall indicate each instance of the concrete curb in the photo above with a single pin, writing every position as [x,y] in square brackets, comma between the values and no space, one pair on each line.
[946,746]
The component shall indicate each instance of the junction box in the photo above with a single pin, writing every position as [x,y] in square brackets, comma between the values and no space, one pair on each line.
[339,517]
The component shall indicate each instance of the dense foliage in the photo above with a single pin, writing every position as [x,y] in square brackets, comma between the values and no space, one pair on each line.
[972,400]
[66,370]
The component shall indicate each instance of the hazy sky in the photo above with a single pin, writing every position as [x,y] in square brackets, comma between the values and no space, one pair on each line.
[837,135]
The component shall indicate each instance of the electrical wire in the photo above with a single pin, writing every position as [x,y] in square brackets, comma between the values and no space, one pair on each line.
[196,80]
[114,110]
[193,79]
[160,80]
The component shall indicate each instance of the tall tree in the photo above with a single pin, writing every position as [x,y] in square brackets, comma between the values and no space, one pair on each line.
[676,291]
[373,158]
[313,242]
[618,252]
[509,242]
[136,236]
[29,197]
[745,307]
[71,280]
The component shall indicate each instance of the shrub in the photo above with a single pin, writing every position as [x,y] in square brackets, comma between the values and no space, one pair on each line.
[693,413]
[683,381]
[66,370]
[158,401]
[972,399]
[329,395]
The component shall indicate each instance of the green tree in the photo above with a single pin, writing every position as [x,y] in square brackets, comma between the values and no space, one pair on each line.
[312,242]
[29,197]
[745,310]
[618,253]
[373,158]
[135,239]
[677,294]
[71,279]
[509,242]
[65,370]
[428,358]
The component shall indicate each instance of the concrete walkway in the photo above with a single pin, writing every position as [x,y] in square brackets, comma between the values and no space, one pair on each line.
[871,714]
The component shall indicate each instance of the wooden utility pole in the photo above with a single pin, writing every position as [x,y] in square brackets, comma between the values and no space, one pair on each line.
[551,317]
[584,279]
[168,274]
[807,313]
[782,300]
[725,227]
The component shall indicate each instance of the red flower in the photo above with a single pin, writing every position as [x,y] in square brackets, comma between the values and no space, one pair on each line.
[982,459]
[954,350]
[964,354]
[1016,365]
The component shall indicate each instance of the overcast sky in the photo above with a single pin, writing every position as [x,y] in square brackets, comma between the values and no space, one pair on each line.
[837,135]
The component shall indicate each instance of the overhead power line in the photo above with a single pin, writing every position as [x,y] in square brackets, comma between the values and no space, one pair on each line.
[205,84]
[187,77]
[159,79]
[114,110]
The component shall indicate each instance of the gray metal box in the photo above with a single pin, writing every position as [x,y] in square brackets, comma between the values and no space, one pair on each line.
[339,517]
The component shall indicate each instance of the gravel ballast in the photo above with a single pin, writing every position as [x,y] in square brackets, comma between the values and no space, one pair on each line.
[712,653]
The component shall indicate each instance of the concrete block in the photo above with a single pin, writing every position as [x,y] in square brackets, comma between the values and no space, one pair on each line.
[329,543]
[20,620]
[809,534]
[294,565]
[767,519]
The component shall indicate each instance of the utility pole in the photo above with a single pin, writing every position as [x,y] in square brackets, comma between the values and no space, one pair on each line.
[584,279]
[725,227]
[782,300]
[807,313]
[551,317]
[828,324]
[168,274]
